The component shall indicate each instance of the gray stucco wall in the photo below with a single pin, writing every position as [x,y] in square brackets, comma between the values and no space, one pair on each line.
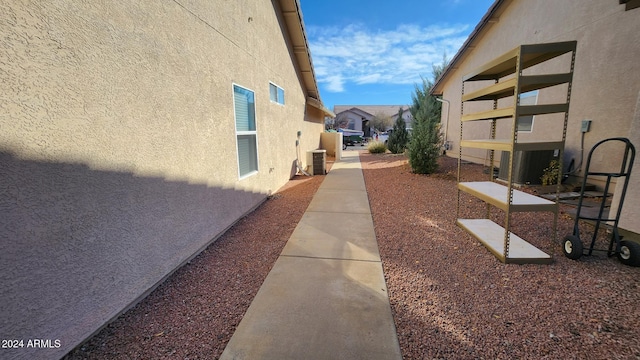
[118,149]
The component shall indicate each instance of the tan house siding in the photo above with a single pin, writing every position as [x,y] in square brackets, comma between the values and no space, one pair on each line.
[606,79]
[118,158]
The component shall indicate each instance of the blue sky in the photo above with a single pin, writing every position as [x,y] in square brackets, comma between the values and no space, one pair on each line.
[374,52]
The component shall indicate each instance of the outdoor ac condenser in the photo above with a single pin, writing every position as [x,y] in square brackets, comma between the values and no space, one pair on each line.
[528,166]
[317,162]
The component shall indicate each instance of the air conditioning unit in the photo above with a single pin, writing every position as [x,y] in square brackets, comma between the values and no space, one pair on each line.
[317,162]
[528,166]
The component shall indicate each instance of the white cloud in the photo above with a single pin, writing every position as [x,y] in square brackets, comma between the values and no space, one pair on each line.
[356,54]
[335,83]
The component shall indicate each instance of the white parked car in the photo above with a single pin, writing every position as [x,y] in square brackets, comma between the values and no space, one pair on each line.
[384,137]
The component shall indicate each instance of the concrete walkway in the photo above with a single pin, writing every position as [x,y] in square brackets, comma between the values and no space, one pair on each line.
[325,297]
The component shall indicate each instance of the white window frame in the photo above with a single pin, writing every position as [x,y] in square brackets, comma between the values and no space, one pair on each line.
[245,133]
[533,118]
[279,91]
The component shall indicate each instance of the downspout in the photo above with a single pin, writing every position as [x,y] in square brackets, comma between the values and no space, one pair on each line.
[446,131]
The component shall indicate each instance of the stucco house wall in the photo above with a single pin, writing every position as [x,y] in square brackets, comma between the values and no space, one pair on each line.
[606,80]
[118,154]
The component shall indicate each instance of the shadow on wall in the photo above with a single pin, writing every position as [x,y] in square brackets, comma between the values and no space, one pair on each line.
[79,246]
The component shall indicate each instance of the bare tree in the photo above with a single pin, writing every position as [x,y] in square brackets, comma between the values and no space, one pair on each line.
[381,122]
[340,121]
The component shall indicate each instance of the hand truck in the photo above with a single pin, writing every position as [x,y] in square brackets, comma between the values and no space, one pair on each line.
[628,252]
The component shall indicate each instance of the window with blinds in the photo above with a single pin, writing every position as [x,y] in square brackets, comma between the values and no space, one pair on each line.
[246,136]
[276,93]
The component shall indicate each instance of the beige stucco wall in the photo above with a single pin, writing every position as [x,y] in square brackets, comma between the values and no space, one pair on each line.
[117,150]
[606,78]
[631,206]
[332,142]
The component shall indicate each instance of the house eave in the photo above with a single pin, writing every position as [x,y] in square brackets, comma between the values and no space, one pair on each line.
[318,105]
[292,14]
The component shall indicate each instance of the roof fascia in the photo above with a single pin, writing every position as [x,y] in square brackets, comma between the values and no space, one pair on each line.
[293,20]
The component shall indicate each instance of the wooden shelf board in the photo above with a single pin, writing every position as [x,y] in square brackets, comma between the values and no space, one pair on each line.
[498,196]
[537,82]
[491,114]
[540,145]
[523,110]
[491,235]
[489,144]
[531,55]
[489,71]
[506,145]
[527,83]
[493,92]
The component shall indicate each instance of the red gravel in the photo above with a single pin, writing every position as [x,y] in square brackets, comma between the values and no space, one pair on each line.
[450,297]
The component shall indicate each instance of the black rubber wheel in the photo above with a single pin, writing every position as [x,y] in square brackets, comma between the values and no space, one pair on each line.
[572,247]
[629,253]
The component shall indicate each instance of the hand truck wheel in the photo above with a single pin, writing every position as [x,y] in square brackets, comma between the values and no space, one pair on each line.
[629,253]
[572,247]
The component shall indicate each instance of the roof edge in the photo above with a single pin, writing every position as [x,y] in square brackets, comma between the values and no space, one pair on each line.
[299,28]
[320,106]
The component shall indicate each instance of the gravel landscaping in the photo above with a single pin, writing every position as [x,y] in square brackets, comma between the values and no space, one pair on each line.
[450,297]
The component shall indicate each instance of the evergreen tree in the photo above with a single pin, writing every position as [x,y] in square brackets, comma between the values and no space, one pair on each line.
[399,137]
[425,144]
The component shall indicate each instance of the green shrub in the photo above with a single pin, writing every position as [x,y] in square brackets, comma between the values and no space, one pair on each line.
[424,147]
[426,143]
[376,147]
[399,138]
[550,175]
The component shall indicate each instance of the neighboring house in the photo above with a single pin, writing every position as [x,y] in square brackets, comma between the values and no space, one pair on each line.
[354,119]
[133,135]
[358,117]
[606,80]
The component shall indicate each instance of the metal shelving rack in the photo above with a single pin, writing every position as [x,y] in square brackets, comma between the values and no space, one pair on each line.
[506,246]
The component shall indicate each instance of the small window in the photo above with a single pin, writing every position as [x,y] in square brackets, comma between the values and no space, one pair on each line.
[246,135]
[276,93]
[525,123]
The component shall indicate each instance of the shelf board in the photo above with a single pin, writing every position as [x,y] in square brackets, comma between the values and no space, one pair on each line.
[491,235]
[498,196]
[527,83]
[493,92]
[489,144]
[523,110]
[506,145]
[538,145]
[487,115]
[530,54]
[537,82]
